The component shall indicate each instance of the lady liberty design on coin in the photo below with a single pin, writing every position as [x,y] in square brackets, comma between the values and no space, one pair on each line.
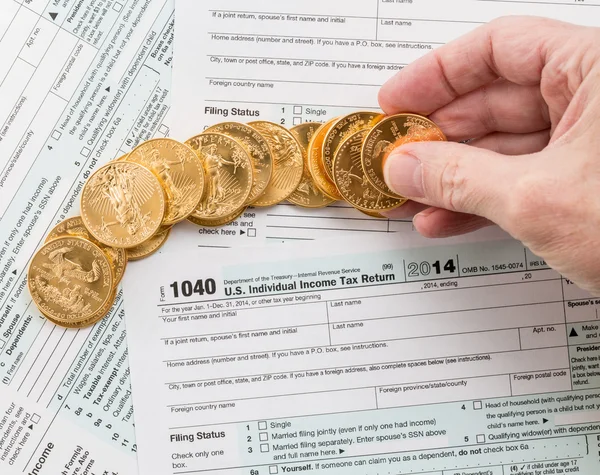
[214,163]
[118,189]
[162,167]
[229,175]
[122,204]
[179,171]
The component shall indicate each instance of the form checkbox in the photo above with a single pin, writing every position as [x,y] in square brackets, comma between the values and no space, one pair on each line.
[477,405]
[263,436]
[2,343]
[252,233]
[273,469]
[117,6]
[297,109]
[56,134]
[85,152]
[297,120]
[264,447]
[480,438]
[262,425]
[163,129]
[35,418]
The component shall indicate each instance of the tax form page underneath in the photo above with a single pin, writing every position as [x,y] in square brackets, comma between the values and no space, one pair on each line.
[464,356]
[81,82]
[310,61]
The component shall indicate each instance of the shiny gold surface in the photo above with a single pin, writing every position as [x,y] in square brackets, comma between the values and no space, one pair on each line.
[122,204]
[229,175]
[70,279]
[388,134]
[74,227]
[307,194]
[258,149]
[287,163]
[351,181]
[179,171]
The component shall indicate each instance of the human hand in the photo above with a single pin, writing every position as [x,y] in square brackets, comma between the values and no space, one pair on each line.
[527,90]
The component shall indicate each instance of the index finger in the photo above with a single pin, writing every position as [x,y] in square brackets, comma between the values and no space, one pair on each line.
[514,48]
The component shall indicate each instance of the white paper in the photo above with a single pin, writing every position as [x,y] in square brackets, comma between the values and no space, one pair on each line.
[297,61]
[461,356]
[81,82]
[47,76]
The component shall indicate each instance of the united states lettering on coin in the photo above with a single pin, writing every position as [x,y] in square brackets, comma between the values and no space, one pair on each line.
[130,205]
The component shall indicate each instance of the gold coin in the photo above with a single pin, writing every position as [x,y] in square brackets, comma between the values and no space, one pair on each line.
[229,175]
[342,128]
[307,194]
[74,227]
[70,280]
[287,163]
[351,181]
[373,214]
[258,149]
[210,223]
[179,171]
[390,133]
[150,246]
[89,321]
[315,163]
[122,204]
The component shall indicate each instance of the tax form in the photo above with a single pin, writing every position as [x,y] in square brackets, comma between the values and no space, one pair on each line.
[311,60]
[81,82]
[463,356]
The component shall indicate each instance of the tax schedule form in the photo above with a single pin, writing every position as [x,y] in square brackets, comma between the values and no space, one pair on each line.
[85,81]
[81,82]
[300,61]
[400,355]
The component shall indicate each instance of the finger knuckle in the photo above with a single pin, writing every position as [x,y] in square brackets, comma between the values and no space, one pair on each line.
[452,185]
[501,22]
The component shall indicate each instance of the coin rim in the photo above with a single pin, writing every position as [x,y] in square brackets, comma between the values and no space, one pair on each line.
[361,208]
[331,190]
[217,222]
[166,232]
[326,198]
[379,117]
[257,203]
[86,323]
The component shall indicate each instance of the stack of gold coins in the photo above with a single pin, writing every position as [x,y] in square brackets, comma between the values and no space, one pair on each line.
[129,205]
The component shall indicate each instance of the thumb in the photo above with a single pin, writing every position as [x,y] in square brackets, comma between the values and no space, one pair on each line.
[453,176]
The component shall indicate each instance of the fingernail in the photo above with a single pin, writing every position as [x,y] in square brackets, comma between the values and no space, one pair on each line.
[423,215]
[402,173]
[426,212]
